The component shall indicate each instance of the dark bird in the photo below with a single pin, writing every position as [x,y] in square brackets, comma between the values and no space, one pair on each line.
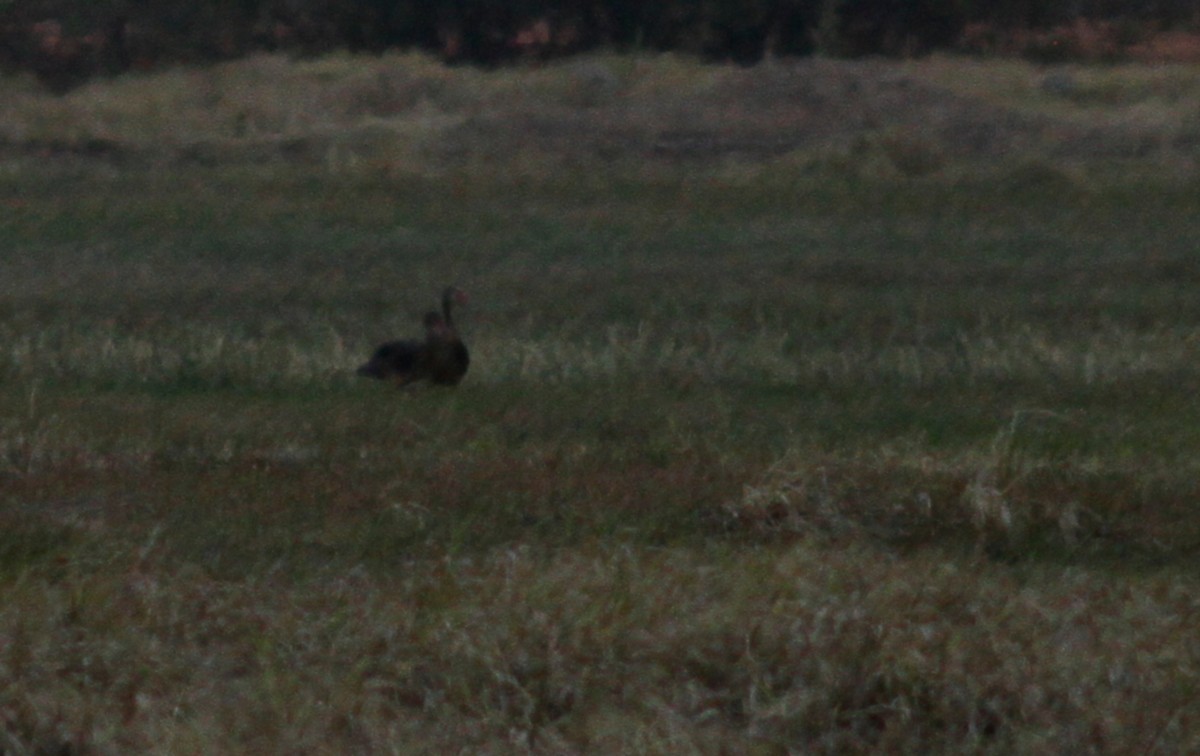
[405,361]
[441,358]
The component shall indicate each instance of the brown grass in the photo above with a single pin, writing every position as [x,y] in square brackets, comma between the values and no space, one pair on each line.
[603,650]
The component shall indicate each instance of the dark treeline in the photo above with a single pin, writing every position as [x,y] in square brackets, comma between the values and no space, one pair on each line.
[66,41]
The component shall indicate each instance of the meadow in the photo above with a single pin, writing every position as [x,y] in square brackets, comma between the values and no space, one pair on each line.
[814,407]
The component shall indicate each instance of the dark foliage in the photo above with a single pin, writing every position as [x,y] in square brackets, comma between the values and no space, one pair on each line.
[66,41]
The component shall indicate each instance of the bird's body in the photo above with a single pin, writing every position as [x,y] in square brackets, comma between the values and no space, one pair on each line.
[395,358]
[405,361]
[441,358]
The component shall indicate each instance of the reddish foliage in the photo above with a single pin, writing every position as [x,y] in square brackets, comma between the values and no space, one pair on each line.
[1167,47]
[1082,40]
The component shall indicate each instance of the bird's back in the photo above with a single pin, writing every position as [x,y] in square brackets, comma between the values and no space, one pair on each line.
[397,360]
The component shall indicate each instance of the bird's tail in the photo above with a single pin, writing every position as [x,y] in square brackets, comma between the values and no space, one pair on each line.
[370,369]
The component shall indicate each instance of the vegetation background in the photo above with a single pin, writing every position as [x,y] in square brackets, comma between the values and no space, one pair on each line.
[818,405]
[67,42]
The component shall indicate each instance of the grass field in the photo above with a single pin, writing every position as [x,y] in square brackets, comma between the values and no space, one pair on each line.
[814,407]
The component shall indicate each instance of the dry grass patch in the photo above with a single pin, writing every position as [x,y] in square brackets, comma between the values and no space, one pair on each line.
[1007,501]
[602,648]
[401,114]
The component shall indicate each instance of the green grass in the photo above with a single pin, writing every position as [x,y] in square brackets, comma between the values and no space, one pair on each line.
[820,451]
